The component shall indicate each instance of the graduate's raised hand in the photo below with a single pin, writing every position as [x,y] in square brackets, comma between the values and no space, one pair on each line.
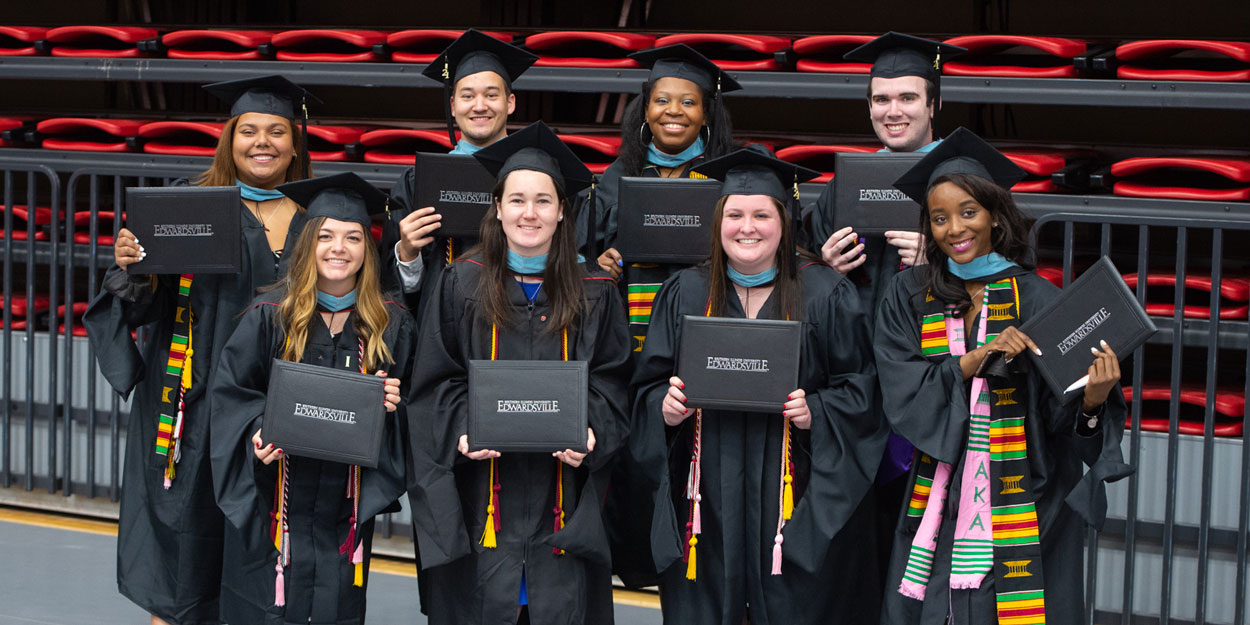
[1104,372]
[266,454]
[797,411]
[674,405]
[417,231]
[392,398]
[574,458]
[481,454]
[842,252]
[612,263]
[910,246]
[126,249]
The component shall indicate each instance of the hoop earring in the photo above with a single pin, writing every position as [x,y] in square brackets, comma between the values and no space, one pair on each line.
[641,133]
[708,140]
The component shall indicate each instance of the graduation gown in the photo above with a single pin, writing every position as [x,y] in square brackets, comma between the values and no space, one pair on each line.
[318,578]
[927,403]
[169,547]
[834,464]
[466,582]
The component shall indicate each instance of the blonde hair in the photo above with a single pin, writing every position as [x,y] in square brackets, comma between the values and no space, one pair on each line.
[223,173]
[299,301]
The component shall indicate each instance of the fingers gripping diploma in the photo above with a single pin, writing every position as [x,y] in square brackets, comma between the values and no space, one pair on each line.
[842,252]
[267,453]
[674,406]
[392,398]
[126,249]
[611,262]
[910,246]
[575,458]
[1103,375]
[417,231]
[797,411]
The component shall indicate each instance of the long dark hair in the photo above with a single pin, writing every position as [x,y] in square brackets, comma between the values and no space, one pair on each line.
[635,137]
[223,173]
[1010,237]
[562,279]
[785,288]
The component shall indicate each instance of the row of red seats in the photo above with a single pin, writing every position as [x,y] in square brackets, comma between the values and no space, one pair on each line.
[25,313]
[988,55]
[1234,293]
[1191,178]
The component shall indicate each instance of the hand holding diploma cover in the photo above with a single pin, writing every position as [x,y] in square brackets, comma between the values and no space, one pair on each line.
[324,413]
[1098,306]
[186,229]
[738,364]
[458,188]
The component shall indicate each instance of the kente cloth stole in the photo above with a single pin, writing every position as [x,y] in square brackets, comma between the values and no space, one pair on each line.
[1009,545]
[280,525]
[177,381]
[558,513]
[694,481]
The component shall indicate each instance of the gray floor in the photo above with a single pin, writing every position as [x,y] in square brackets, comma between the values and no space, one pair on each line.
[63,577]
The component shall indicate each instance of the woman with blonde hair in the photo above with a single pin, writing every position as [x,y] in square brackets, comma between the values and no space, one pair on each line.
[169,550]
[307,522]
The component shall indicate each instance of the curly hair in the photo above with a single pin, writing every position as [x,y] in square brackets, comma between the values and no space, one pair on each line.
[633,153]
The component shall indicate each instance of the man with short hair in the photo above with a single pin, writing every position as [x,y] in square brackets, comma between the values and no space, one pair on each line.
[478,71]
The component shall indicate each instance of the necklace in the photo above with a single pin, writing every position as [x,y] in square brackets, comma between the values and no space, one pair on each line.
[265,220]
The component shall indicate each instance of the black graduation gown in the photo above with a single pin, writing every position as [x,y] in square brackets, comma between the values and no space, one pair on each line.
[318,578]
[466,582]
[927,403]
[169,547]
[835,462]
[433,256]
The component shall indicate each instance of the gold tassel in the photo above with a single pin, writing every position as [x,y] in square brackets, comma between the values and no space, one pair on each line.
[690,560]
[488,536]
[186,362]
[787,499]
[169,467]
[360,575]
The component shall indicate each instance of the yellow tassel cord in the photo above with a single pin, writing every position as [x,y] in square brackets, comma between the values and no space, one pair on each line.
[690,559]
[787,498]
[488,536]
[281,508]
[359,579]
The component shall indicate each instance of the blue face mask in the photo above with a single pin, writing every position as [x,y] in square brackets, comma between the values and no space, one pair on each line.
[657,157]
[980,266]
[334,303]
[759,279]
[256,194]
[464,147]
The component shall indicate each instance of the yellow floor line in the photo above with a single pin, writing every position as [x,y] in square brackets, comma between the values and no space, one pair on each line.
[378,564]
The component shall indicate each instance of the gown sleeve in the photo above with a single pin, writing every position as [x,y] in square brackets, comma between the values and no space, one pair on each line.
[237,399]
[124,303]
[437,411]
[847,435]
[382,487]
[820,217]
[649,440]
[925,402]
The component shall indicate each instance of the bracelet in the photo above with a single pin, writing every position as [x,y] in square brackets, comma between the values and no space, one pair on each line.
[1091,419]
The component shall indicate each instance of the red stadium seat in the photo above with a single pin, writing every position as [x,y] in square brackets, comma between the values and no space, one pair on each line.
[1185,178]
[328,46]
[22,311]
[1234,291]
[21,219]
[98,41]
[87,134]
[181,138]
[1040,163]
[587,48]
[596,151]
[332,143]
[823,53]
[820,157]
[733,52]
[219,45]
[8,123]
[1185,59]
[20,40]
[1014,56]
[78,310]
[104,227]
[396,146]
[424,45]
[1229,406]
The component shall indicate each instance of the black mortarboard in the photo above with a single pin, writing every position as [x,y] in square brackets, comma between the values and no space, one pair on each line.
[536,147]
[474,52]
[894,54]
[345,197]
[754,170]
[272,95]
[682,61]
[963,152]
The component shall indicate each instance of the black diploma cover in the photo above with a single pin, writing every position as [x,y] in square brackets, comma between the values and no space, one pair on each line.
[186,229]
[865,197]
[666,220]
[528,405]
[323,413]
[738,364]
[458,188]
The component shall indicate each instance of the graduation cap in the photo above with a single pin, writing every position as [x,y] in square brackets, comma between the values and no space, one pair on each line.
[682,61]
[271,95]
[754,170]
[345,197]
[473,52]
[895,54]
[963,152]
[536,147]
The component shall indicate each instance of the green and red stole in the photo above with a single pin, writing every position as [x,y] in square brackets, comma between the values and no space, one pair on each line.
[1016,550]
[177,378]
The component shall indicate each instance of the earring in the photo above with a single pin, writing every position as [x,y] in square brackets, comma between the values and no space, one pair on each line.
[708,131]
[641,130]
